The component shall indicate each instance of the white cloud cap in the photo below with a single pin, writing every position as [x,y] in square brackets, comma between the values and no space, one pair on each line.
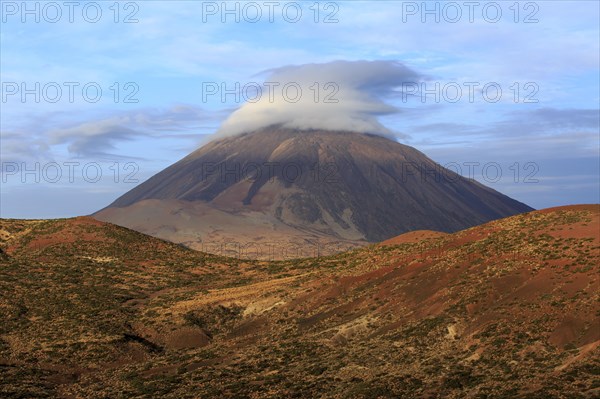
[349,97]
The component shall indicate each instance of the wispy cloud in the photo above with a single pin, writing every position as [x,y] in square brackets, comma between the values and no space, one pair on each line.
[543,133]
[104,136]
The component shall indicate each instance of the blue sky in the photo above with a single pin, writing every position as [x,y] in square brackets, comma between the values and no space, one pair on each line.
[549,50]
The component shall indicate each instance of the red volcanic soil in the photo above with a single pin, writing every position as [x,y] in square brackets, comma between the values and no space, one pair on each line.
[83,228]
[505,309]
[580,229]
[513,270]
[414,237]
[582,207]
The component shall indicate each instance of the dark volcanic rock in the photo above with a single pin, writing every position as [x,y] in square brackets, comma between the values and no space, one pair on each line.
[320,179]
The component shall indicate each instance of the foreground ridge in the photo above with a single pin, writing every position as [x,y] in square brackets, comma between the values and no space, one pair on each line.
[506,309]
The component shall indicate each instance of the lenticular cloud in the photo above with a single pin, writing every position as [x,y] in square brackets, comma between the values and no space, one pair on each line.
[339,95]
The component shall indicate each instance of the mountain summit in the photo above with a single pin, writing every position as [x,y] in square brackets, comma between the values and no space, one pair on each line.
[300,186]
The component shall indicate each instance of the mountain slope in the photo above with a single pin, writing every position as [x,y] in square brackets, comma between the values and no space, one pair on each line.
[310,185]
[506,309]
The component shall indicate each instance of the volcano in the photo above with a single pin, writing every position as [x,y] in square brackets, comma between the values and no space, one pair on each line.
[283,190]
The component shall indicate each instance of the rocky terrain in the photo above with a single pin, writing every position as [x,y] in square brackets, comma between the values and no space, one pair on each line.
[309,191]
[508,309]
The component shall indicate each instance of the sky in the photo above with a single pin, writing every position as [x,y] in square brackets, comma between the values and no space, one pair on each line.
[99,96]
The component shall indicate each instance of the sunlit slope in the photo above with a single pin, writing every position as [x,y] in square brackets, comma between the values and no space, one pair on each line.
[505,309]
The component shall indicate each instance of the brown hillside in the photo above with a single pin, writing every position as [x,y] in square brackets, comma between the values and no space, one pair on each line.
[506,309]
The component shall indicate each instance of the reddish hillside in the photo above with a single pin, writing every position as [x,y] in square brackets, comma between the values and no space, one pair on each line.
[506,309]
[414,237]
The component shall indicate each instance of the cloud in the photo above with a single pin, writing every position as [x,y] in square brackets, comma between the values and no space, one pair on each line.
[543,119]
[99,136]
[548,156]
[21,147]
[52,136]
[338,95]
[543,133]
[94,138]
